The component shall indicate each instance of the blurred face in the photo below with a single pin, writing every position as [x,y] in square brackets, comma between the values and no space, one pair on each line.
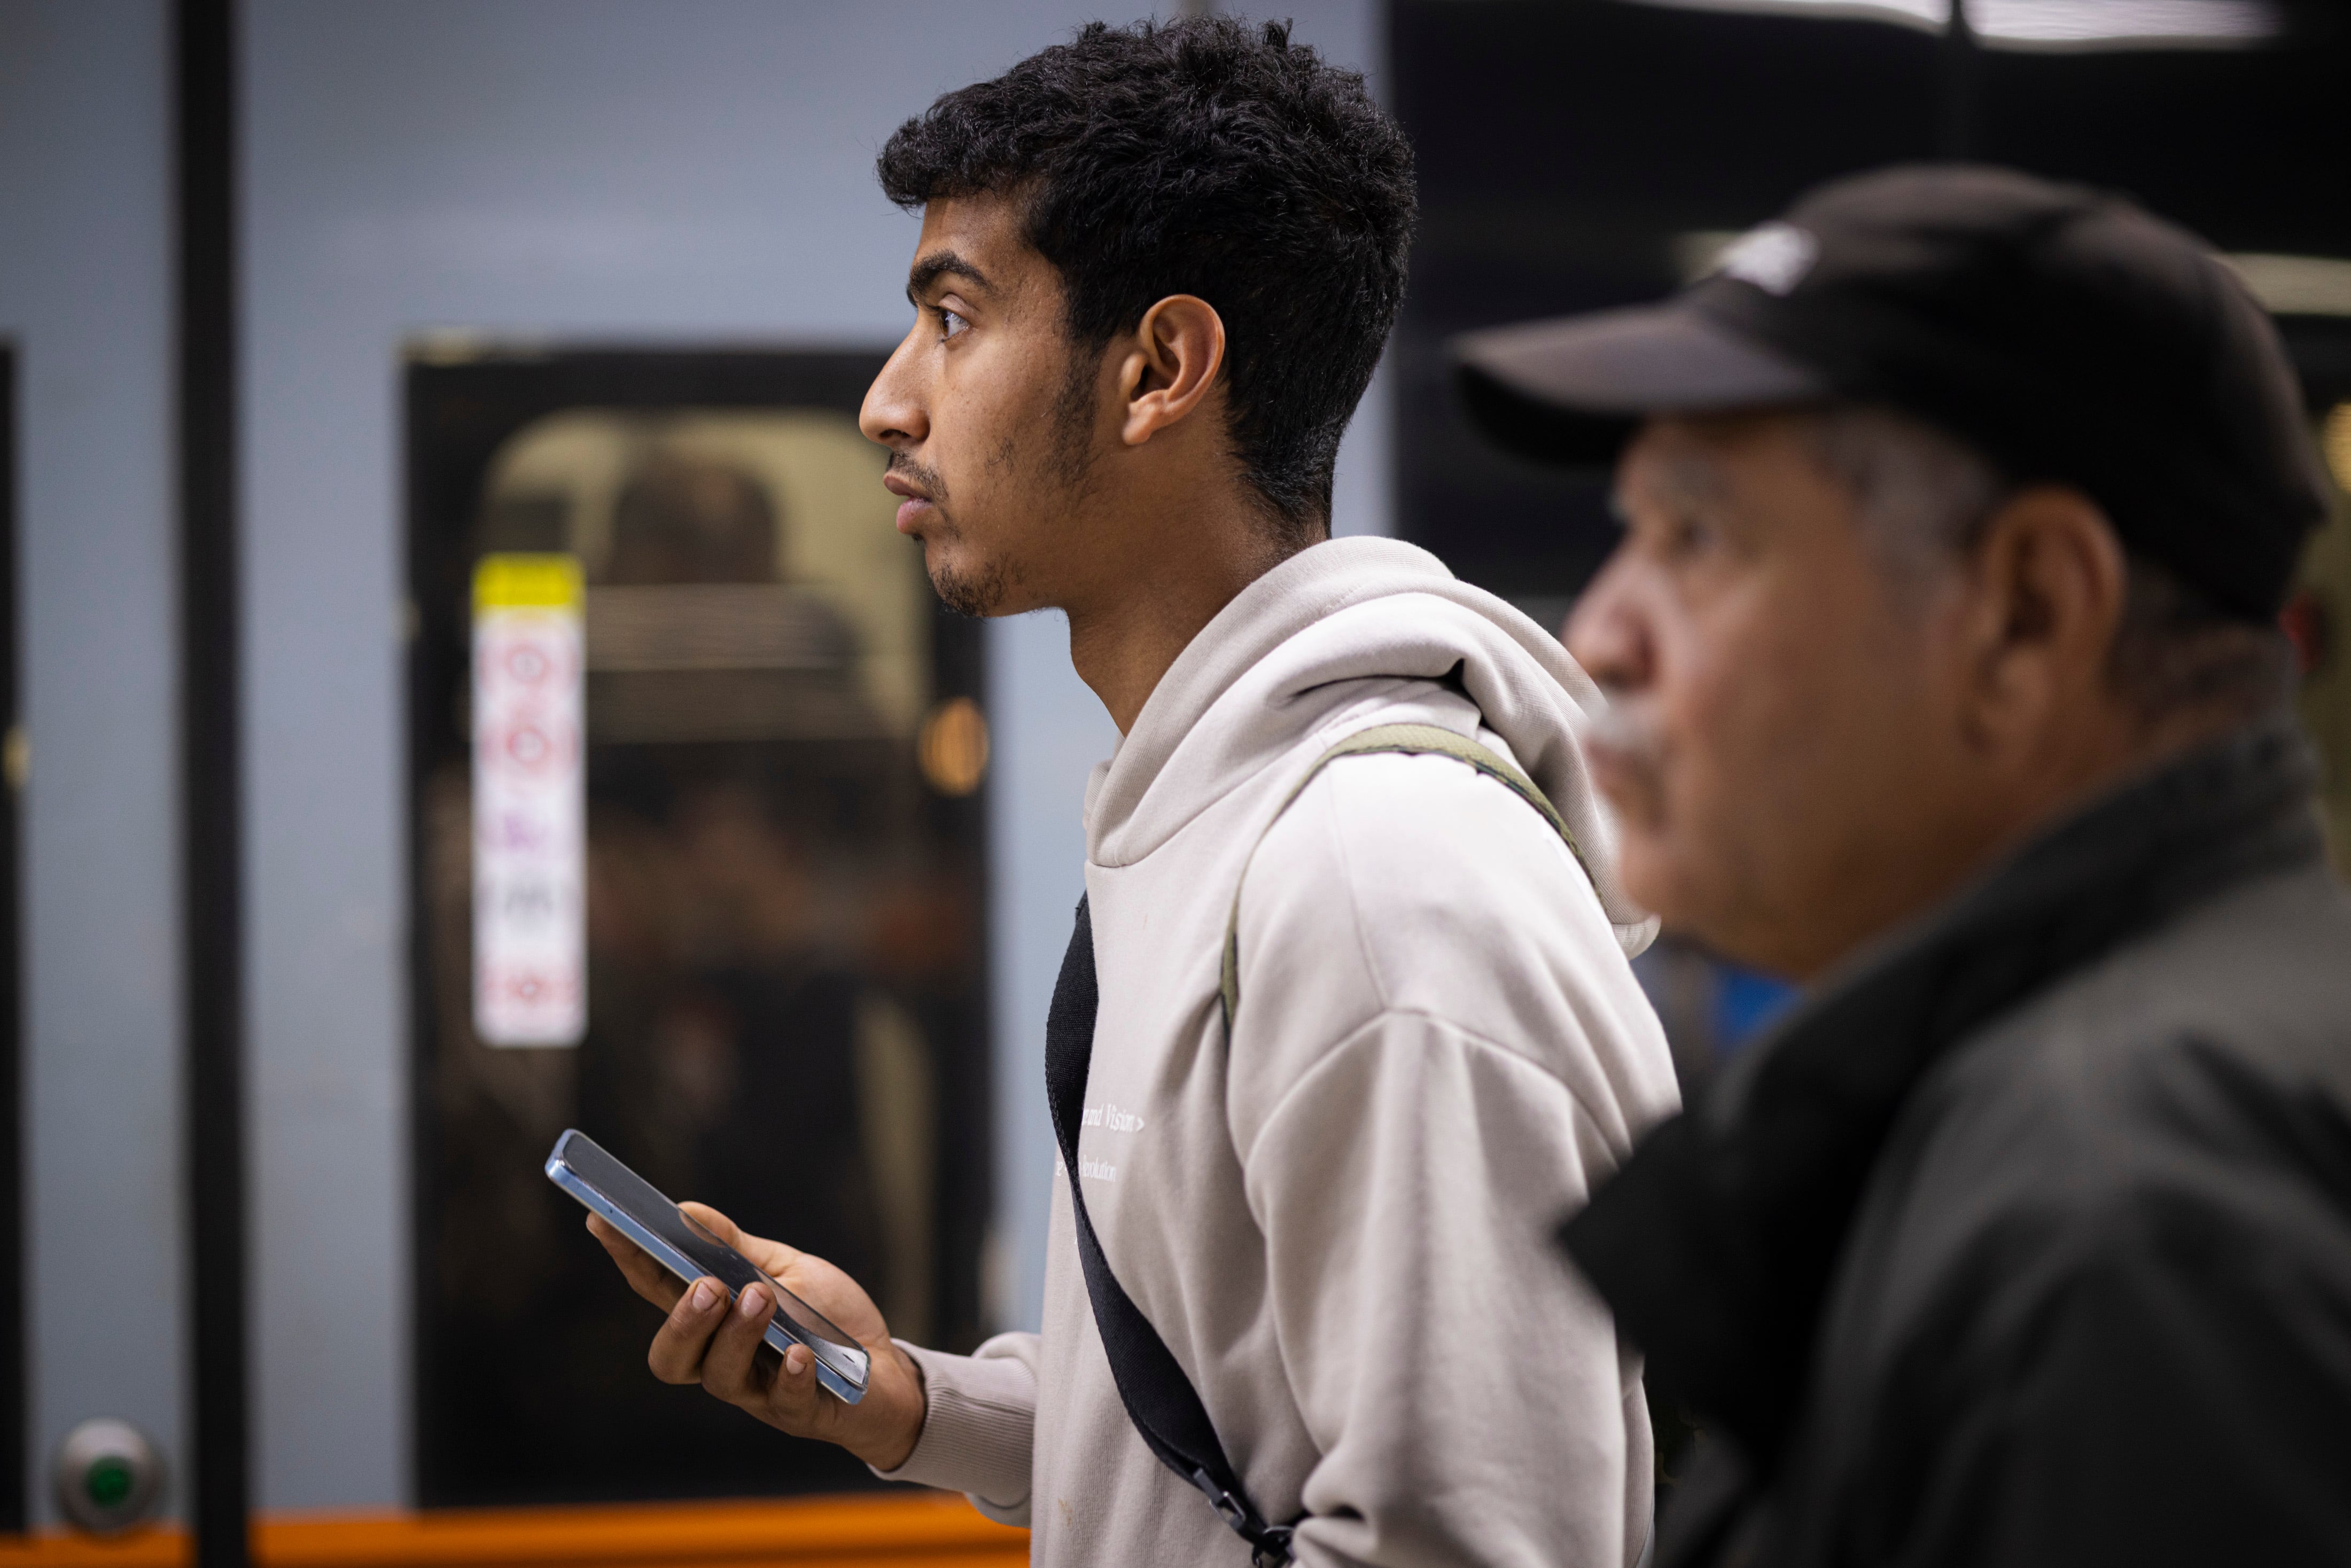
[1787,743]
[986,412]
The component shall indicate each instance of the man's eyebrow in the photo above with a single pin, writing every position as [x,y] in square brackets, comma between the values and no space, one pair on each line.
[1678,478]
[929,269]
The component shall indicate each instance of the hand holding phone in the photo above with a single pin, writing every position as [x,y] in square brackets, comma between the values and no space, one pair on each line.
[715,1331]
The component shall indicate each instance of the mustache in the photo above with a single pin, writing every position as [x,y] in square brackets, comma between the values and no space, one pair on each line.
[933,482]
[1620,730]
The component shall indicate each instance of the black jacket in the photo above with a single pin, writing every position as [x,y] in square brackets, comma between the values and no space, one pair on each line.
[2028,1239]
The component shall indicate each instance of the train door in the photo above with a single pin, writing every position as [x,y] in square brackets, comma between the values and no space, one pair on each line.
[696,773]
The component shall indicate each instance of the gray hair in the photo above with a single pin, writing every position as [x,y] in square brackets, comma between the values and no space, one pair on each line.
[1925,497]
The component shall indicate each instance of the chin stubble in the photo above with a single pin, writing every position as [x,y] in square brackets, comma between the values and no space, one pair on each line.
[967,594]
[975,594]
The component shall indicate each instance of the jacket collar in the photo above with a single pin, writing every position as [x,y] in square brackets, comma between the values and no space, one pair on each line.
[1716,1242]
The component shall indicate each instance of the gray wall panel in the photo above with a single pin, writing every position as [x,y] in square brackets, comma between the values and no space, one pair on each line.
[85,290]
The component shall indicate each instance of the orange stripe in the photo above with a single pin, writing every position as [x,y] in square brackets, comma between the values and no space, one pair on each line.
[915,1531]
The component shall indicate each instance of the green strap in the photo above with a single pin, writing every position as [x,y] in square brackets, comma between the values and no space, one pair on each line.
[1412,739]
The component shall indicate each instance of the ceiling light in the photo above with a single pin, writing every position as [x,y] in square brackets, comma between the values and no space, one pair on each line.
[2296,285]
[2047,24]
[1928,13]
[2123,24]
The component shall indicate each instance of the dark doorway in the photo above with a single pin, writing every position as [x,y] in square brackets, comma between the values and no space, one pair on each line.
[774,904]
[1576,154]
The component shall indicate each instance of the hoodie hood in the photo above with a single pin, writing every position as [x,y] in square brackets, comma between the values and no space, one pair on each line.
[1271,666]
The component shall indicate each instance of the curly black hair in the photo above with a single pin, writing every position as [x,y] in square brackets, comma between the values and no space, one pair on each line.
[1203,156]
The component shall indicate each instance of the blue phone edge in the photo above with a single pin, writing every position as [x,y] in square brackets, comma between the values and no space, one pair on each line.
[779,1334]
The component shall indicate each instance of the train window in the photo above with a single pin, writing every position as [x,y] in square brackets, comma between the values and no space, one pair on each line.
[698,764]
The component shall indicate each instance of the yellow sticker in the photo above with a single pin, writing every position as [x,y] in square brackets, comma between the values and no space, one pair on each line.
[515,582]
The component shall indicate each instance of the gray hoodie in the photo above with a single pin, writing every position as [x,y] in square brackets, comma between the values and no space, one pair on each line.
[1339,1220]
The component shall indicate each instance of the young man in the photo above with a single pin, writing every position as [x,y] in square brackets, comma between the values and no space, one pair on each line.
[1156,268]
[1947,676]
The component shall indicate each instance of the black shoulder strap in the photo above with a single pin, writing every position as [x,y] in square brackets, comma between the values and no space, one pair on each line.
[1159,1398]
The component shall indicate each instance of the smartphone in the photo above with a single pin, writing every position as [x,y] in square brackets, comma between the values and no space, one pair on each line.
[670,1237]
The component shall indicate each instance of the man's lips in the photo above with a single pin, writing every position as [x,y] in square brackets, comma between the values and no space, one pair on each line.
[914,506]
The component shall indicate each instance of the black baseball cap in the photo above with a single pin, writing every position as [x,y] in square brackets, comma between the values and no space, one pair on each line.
[2065,332]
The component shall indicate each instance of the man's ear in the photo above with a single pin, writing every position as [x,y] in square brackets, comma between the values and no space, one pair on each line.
[2050,577]
[1171,363]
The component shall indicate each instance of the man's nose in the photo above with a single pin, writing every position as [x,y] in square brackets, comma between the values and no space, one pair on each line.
[893,412]
[1607,632]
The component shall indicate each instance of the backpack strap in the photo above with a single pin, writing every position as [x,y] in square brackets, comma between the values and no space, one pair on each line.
[1413,740]
[1159,1399]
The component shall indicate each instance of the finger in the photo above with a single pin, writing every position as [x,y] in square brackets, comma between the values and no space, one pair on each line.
[647,1277]
[730,1368]
[793,1399]
[795,1388]
[797,1378]
[681,1346]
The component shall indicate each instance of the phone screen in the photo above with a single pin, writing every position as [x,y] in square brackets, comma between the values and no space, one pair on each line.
[636,1199]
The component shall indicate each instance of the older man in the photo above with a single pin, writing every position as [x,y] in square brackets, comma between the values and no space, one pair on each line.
[1959,509]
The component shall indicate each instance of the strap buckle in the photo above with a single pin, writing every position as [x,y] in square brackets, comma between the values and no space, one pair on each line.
[1268,1544]
[1229,1508]
[1272,1549]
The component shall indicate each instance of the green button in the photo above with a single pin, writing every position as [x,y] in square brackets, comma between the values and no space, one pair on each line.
[108,1481]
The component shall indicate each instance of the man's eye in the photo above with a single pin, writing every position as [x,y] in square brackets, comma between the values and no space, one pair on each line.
[951,325]
[1686,536]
